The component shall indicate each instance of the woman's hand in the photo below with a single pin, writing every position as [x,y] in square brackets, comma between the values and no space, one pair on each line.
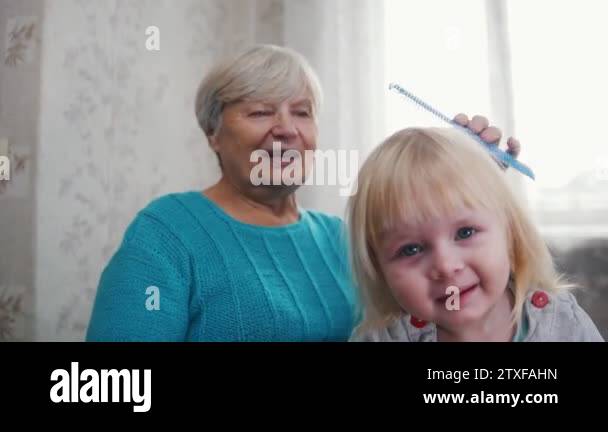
[491,134]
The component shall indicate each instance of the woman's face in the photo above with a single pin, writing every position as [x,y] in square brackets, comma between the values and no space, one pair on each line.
[467,250]
[250,126]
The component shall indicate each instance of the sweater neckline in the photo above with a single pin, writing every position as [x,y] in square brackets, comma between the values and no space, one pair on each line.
[220,212]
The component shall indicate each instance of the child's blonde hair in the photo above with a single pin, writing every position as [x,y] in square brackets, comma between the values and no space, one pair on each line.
[418,174]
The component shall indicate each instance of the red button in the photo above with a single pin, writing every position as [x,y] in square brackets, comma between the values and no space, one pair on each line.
[418,323]
[540,299]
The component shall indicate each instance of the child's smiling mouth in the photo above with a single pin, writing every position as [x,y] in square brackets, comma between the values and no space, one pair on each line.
[467,290]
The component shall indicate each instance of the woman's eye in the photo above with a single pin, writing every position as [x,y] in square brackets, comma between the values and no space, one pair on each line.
[302,113]
[409,250]
[260,113]
[465,232]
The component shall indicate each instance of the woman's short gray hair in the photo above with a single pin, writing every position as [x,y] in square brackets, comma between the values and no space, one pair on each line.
[262,73]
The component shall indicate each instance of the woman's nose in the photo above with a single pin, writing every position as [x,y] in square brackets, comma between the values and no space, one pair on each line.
[284,126]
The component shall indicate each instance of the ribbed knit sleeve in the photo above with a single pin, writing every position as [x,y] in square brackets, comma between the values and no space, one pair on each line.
[144,293]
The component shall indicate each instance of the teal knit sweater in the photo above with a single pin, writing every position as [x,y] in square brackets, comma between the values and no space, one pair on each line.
[218,279]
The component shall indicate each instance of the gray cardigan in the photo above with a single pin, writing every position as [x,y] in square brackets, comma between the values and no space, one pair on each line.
[560,319]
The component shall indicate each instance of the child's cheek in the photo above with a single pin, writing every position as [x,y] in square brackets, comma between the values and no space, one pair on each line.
[406,287]
[498,269]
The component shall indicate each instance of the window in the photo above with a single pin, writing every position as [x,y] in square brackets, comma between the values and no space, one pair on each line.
[559,67]
[436,49]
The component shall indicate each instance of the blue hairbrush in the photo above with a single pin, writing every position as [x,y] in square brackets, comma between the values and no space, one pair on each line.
[498,154]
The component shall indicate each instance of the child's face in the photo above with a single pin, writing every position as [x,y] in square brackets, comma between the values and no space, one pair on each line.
[468,250]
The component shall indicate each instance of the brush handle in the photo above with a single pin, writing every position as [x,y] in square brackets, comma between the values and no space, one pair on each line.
[498,154]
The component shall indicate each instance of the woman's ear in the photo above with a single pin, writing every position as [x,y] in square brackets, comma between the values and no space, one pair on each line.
[215,146]
[212,139]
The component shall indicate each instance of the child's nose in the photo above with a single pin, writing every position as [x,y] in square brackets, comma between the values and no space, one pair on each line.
[446,262]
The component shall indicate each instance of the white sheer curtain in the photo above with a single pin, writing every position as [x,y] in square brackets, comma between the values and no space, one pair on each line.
[560,89]
[453,55]
[438,50]
[559,71]
[343,39]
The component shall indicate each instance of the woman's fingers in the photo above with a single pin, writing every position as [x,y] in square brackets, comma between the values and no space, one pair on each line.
[491,134]
[478,124]
[461,119]
[513,147]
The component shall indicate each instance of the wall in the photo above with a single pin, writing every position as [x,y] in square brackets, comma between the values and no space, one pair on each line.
[111,126]
[20,22]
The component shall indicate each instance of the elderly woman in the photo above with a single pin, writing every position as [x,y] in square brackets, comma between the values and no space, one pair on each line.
[239,261]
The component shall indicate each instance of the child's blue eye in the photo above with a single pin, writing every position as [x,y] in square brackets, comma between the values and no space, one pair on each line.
[465,232]
[409,250]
